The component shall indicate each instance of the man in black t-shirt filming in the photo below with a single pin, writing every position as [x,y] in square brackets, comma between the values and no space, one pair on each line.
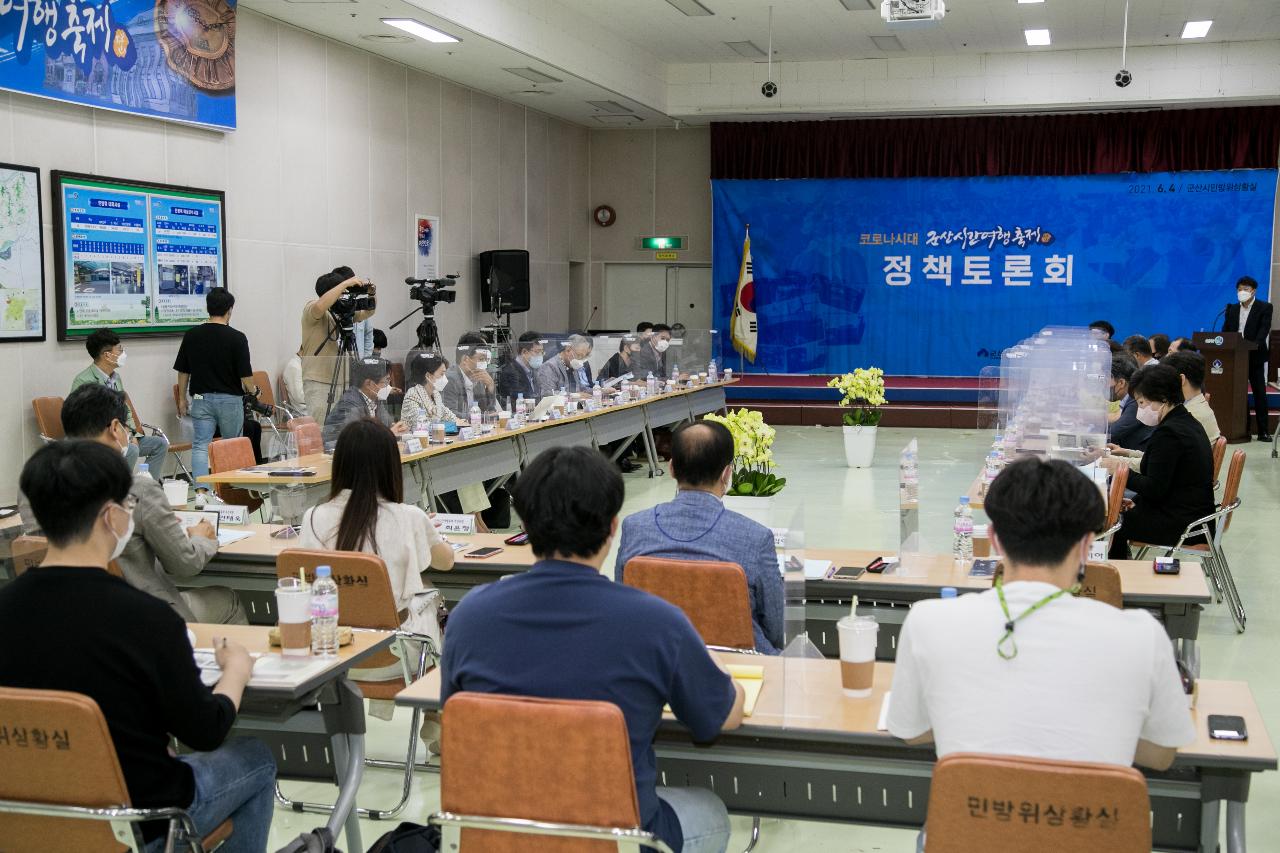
[213,365]
[70,625]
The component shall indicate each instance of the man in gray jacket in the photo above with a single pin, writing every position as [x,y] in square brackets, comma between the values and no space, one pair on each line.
[470,382]
[159,551]
[568,369]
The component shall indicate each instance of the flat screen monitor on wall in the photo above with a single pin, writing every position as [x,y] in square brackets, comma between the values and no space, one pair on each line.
[133,256]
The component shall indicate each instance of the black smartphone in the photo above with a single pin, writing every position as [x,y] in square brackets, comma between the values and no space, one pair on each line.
[847,573]
[983,568]
[1223,727]
[519,539]
[1167,565]
[482,553]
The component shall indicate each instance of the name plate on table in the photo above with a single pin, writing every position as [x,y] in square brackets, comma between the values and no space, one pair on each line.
[466,433]
[412,445]
[1098,551]
[455,523]
[230,514]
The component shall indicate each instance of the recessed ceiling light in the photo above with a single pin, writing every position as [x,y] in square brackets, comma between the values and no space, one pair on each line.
[749,49]
[533,74]
[859,5]
[610,107]
[1024,2]
[1037,38]
[887,42]
[692,8]
[421,30]
[1196,29]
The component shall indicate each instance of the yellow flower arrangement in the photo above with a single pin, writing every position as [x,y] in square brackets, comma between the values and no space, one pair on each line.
[862,391]
[752,453]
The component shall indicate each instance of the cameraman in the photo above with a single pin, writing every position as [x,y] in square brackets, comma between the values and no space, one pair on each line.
[320,338]
[213,364]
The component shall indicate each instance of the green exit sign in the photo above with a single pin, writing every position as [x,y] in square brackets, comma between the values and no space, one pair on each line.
[659,244]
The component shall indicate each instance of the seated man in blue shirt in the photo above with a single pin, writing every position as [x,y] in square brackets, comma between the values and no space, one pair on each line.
[562,630]
[696,526]
[1125,430]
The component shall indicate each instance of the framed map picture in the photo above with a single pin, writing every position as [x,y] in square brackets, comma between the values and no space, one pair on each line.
[21,255]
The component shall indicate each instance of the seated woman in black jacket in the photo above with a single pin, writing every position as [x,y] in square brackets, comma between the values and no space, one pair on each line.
[1175,484]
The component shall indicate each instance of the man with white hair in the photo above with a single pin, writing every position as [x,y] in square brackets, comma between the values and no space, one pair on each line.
[568,370]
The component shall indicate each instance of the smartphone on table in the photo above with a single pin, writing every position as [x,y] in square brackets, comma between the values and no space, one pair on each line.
[1225,727]
[848,573]
[481,553]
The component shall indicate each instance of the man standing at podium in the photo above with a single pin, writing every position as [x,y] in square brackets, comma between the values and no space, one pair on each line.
[1252,319]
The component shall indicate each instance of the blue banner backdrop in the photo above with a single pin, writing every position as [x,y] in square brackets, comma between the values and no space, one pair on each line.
[935,276]
[171,59]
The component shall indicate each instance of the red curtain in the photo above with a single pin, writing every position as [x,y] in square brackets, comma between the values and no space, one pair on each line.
[1087,143]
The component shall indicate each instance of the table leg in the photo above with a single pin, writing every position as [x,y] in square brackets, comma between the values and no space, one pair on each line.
[1235,827]
[348,758]
[1209,815]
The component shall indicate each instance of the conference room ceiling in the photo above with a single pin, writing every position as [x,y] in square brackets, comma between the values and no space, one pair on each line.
[824,29]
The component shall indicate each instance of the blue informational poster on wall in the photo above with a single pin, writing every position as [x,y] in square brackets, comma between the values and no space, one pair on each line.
[172,59]
[134,257]
[936,276]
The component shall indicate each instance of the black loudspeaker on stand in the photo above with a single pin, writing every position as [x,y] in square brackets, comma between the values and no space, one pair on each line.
[504,281]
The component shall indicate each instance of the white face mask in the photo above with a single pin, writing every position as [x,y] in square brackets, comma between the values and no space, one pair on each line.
[439,382]
[482,365]
[535,361]
[576,363]
[124,451]
[122,540]
[1244,295]
[1148,416]
[384,391]
[661,344]
[121,358]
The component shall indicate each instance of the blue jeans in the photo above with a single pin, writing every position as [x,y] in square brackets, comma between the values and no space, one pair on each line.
[704,820]
[237,780]
[153,449]
[221,412]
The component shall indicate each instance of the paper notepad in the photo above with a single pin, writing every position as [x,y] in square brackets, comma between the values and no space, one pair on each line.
[813,569]
[228,537]
[752,680]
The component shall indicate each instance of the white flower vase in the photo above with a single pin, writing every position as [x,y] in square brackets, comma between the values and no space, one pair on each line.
[756,509]
[859,446]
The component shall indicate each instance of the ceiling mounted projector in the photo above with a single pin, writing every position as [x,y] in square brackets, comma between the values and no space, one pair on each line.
[912,11]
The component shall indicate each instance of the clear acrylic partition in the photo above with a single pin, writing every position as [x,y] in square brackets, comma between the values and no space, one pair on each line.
[695,350]
[989,398]
[911,562]
[803,669]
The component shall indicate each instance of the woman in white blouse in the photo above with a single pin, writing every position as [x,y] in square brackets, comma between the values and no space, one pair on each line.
[366,512]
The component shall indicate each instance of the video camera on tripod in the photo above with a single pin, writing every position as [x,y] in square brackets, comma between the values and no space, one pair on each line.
[430,291]
[356,298]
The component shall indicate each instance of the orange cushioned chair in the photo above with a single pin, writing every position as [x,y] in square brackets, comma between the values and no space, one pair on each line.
[499,783]
[49,417]
[232,454]
[65,764]
[1115,499]
[1102,582]
[367,601]
[307,435]
[1219,454]
[1049,806]
[713,595]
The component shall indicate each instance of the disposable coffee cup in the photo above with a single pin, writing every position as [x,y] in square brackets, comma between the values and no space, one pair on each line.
[293,613]
[857,654]
[437,433]
[175,492]
[504,420]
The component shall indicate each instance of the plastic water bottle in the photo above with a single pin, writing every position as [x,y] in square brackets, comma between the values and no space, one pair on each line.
[650,385]
[597,395]
[521,405]
[962,540]
[324,613]
[144,468]
[712,375]
[910,478]
[948,592]
[675,378]
[475,415]
[991,470]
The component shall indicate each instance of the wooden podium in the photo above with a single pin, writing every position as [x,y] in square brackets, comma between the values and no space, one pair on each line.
[1226,380]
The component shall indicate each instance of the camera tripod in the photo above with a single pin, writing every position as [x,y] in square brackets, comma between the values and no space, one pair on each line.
[427,332]
[347,352]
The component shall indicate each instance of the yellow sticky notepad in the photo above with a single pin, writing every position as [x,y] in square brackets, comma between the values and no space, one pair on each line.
[752,680]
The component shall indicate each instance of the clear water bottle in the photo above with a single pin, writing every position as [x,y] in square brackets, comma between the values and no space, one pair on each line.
[948,592]
[962,540]
[475,418]
[650,385]
[991,470]
[597,395]
[997,446]
[675,378]
[521,406]
[324,613]
[910,477]
[143,468]
[712,374]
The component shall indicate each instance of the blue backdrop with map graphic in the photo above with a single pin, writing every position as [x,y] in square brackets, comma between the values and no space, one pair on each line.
[170,59]
[935,276]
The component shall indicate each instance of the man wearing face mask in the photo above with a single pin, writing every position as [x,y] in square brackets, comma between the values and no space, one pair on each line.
[520,375]
[156,553]
[371,381]
[1252,318]
[470,382]
[1174,484]
[1125,429]
[696,526]
[652,357]
[569,370]
[108,356]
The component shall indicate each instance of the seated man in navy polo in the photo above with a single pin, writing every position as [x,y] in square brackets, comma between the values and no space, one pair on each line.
[562,630]
[696,526]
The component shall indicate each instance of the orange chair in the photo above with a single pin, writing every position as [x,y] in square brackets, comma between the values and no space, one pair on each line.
[500,784]
[1102,583]
[28,552]
[307,434]
[1219,453]
[232,454]
[1115,499]
[49,417]
[67,786]
[966,789]
[368,602]
[263,380]
[713,595]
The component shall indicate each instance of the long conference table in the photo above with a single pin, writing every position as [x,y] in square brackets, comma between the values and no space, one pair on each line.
[248,566]
[440,468]
[809,753]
